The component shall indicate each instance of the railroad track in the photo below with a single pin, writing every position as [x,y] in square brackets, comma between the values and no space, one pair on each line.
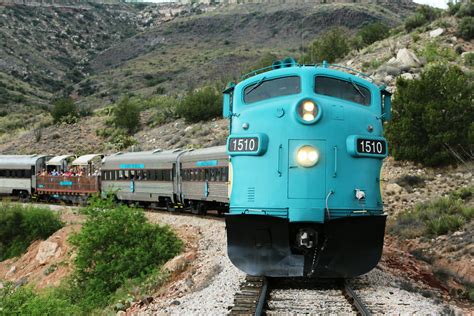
[296,296]
[211,214]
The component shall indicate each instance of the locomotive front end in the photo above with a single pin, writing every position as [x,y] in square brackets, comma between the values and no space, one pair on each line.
[306,149]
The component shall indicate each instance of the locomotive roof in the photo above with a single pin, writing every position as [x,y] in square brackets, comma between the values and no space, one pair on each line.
[19,161]
[321,69]
[152,158]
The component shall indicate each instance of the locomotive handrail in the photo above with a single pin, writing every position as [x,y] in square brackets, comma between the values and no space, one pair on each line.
[258,71]
[324,64]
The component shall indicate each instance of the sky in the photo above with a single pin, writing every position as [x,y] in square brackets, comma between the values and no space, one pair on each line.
[434,3]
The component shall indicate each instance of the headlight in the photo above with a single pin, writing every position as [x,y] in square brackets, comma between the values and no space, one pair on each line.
[308,111]
[307,156]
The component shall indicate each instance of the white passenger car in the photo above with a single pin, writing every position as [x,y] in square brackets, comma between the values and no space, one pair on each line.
[18,173]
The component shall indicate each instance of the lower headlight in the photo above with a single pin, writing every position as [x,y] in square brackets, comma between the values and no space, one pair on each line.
[307,156]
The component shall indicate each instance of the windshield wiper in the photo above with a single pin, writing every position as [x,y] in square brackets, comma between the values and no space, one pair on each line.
[255,86]
[357,89]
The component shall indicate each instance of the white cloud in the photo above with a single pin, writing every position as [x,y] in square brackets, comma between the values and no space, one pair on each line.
[434,3]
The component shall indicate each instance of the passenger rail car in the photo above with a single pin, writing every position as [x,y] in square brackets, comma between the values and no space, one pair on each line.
[306,146]
[204,179]
[18,174]
[147,177]
[69,187]
[194,179]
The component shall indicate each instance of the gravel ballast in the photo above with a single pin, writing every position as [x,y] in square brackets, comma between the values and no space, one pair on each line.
[212,293]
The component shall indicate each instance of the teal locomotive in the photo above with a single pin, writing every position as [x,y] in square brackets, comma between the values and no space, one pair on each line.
[306,147]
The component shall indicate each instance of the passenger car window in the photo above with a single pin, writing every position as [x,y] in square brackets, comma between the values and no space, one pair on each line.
[272,88]
[341,89]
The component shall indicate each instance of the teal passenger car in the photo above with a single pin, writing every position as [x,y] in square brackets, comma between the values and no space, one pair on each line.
[306,147]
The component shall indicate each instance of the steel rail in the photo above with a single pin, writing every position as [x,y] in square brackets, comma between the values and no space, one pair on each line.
[355,300]
[251,298]
[262,298]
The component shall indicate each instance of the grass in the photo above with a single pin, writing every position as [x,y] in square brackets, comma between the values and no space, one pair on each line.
[25,301]
[21,225]
[439,217]
[434,52]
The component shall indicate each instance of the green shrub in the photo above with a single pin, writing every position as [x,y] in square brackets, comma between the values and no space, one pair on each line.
[435,218]
[466,28]
[433,52]
[25,301]
[466,9]
[126,115]
[152,80]
[463,194]
[116,244]
[444,224]
[163,110]
[453,7]
[373,32]
[414,21]
[331,46]
[469,59]
[430,13]
[64,110]
[21,225]
[422,16]
[432,116]
[201,105]
[117,137]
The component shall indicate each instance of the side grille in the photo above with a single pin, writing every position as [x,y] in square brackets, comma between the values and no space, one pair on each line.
[251,194]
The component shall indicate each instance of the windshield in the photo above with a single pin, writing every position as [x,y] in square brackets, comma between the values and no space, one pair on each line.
[341,89]
[267,89]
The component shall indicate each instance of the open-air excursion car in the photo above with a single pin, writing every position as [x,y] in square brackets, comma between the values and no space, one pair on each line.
[69,178]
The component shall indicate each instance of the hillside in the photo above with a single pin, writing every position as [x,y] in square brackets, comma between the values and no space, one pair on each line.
[48,49]
[220,45]
[97,53]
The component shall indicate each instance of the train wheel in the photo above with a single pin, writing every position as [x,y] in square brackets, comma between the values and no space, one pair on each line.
[25,197]
[170,206]
[198,208]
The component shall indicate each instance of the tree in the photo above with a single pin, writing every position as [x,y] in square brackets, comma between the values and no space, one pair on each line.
[64,110]
[332,46]
[432,116]
[126,115]
[422,15]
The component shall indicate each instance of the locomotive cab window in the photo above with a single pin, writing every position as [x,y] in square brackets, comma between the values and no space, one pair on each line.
[267,89]
[342,89]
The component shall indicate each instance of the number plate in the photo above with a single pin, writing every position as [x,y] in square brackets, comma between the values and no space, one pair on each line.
[243,144]
[371,146]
